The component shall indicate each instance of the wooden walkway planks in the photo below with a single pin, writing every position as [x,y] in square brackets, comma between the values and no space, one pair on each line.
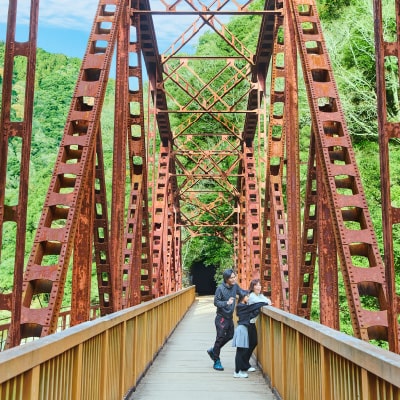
[183,370]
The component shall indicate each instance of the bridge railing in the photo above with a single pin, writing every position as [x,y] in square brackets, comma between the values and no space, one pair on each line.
[304,360]
[64,322]
[100,359]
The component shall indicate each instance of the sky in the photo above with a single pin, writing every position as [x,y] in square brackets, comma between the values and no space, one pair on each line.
[65,25]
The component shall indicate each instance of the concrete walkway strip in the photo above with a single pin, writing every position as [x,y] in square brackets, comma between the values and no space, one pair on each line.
[183,370]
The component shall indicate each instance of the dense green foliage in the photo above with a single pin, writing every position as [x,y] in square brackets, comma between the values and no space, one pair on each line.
[55,79]
[349,36]
[56,75]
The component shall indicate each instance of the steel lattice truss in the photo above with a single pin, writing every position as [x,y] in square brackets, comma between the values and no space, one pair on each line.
[213,149]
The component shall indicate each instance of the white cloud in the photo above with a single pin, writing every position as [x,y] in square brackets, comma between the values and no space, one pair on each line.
[79,14]
[62,13]
[68,14]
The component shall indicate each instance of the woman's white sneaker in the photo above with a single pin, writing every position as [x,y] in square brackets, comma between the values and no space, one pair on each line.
[240,374]
[251,369]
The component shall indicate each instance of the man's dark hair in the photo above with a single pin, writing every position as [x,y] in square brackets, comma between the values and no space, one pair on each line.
[227,274]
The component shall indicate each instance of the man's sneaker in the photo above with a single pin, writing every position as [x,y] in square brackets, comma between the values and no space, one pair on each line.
[210,352]
[240,374]
[218,366]
[251,369]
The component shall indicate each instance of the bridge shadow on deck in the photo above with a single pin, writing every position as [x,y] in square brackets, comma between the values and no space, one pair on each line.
[183,370]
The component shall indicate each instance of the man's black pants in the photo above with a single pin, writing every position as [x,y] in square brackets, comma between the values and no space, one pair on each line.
[225,330]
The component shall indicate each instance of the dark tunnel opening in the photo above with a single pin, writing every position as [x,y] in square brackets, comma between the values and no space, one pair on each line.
[203,279]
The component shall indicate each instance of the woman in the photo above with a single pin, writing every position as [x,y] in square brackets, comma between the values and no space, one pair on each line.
[245,314]
[255,297]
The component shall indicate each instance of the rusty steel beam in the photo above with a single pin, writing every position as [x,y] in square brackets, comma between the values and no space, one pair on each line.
[327,257]
[53,245]
[215,167]
[252,216]
[12,128]
[240,237]
[165,183]
[274,272]
[279,245]
[159,221]
[121,110]
[261,65]
[249,230]
[154,70]
[291,128]
[207,163]
[360,261]
[101,234]
[317,228]
[309,238]
[137,246]
[176,257]
[387,130]
[168,275]
[83,249]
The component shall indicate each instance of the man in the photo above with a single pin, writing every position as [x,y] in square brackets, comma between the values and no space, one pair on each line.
[224,300]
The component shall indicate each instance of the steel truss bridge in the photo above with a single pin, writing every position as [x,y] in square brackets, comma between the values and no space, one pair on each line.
[209,147]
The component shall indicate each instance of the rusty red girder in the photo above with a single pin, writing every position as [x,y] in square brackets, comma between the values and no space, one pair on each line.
[291,128]
[207,174]
[309,243]
[327,256]
[101,233]
[275,271]
[160,221]
[249,221]
[136,271]
[361,265]
[72,177]
[121,110]
[83,246]
[221,173]
[12,130]
[388,130]
[317,228]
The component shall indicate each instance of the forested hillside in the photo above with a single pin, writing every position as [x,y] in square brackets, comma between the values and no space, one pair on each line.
[56,75]
[55,79]
[348,27]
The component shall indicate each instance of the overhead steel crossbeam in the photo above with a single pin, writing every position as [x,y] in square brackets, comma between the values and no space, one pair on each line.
[214,170]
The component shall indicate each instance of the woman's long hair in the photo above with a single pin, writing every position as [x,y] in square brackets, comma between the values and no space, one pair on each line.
[253,283]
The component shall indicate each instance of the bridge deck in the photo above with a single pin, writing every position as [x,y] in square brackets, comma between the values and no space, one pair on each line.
[183,370]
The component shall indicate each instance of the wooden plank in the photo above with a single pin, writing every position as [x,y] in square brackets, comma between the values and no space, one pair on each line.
[183,370]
